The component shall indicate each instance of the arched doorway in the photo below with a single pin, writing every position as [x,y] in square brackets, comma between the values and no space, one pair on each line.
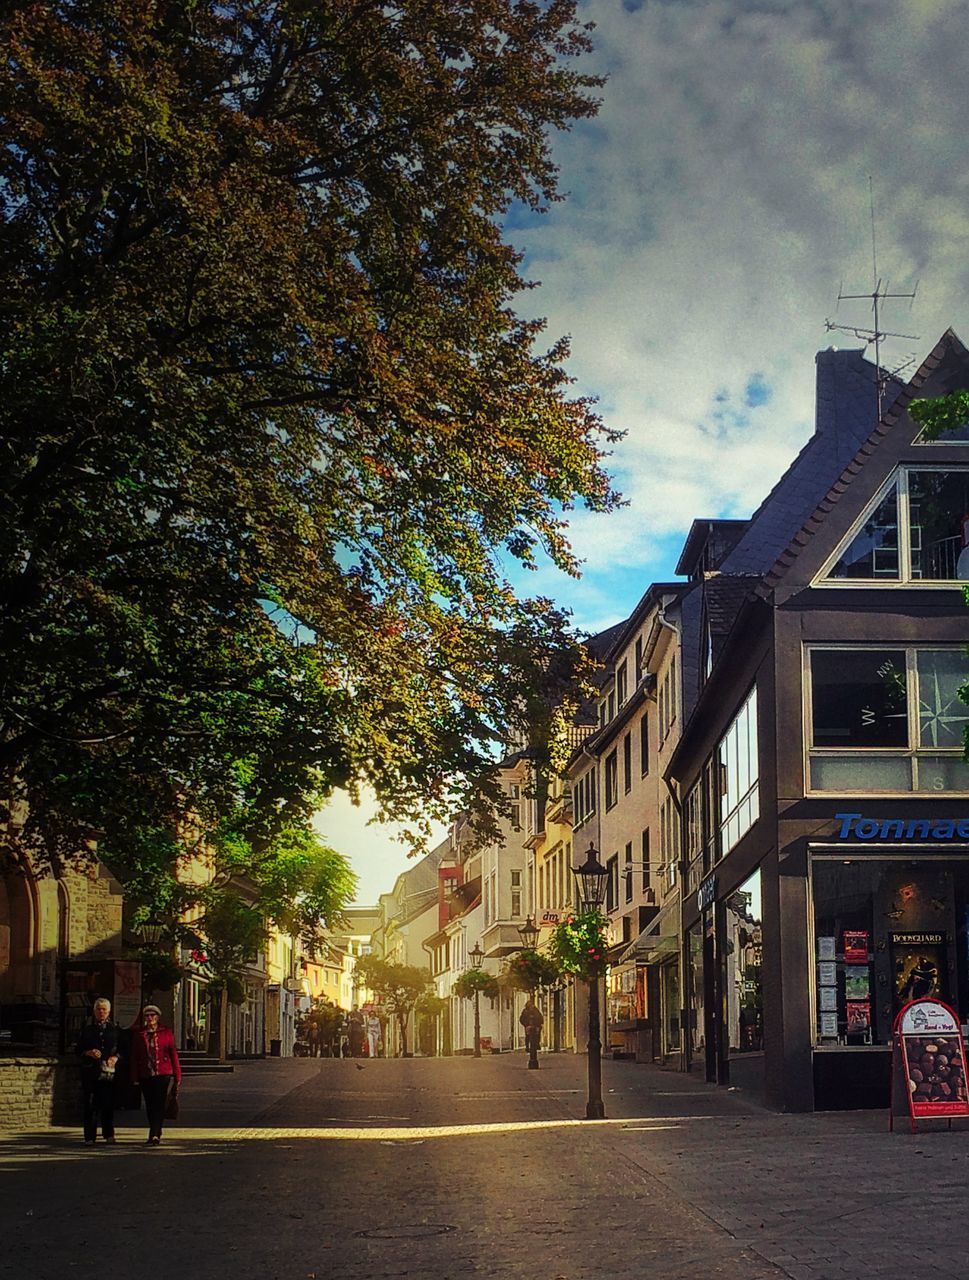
[17,950]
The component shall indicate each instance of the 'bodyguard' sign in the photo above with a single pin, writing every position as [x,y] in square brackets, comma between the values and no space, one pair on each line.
[855,826]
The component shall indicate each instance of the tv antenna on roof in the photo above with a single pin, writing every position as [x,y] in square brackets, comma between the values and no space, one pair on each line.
[875,335]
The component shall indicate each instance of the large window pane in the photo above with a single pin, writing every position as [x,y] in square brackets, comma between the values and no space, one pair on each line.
[859,698]
[873,552]
[943,716]
[941,773]
[744,965]
[861,773]
[738,761]
[938,504]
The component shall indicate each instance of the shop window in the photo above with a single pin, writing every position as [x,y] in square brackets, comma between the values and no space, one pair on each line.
[888,719]
[696,1015]
[743,960]
[915,531]
[738,762]
[886,931]
[612,779]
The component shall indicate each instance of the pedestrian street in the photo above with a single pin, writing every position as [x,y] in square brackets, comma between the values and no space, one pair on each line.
[456,1167]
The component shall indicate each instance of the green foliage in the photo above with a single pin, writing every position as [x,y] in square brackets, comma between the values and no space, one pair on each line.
[300,882]
[234,934]
[578,944]
[530,970]
[269,420]
[430,1005]
[397,986]
[159,971]
[326,1017]
[473,980]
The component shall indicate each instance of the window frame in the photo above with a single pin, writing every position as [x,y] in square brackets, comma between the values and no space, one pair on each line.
[611,780]
[900,478]
[911,752]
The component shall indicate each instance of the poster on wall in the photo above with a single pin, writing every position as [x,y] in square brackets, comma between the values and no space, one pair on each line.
[858,1015]
[919,966]
[127,992]
[829,1026]
[826,949]
[856,946]
[856,982]
[929,1062]
[827,973]
[829,999]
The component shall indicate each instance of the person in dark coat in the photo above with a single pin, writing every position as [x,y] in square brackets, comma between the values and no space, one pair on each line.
[531,1019]
[97,1047]
[155,1067]
[355,1032]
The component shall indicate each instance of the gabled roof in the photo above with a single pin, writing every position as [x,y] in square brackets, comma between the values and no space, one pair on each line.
[948,345]
[845,414]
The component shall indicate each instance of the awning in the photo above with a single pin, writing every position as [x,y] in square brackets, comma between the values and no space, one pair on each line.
[660,937]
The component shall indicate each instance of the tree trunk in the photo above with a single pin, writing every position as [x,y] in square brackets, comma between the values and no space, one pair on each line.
[223,1023]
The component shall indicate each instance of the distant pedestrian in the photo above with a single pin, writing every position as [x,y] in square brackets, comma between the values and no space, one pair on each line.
[97,1047]
[355,1033]
[531,1019]
[155,1067]
[373,1035]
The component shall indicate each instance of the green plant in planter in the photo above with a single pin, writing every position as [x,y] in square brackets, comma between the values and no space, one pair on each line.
[473,980]
[579,946]
[530,970]
[159,971]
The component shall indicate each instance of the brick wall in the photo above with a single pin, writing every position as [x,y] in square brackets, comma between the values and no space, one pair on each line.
[38,1092]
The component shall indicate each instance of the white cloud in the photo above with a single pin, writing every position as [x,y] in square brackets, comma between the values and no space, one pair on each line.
[718,202]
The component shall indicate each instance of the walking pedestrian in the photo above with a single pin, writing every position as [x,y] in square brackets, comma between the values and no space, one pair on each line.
[155,1067]
[373,1035]
[531,1019]
[97,1047]
[355,1033]
[313,1035]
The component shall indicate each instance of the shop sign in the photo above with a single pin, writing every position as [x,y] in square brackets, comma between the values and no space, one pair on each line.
[549,919]
[706,895]
[856,826]
[929,1062]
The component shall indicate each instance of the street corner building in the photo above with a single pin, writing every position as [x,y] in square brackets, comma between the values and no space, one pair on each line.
[820,773]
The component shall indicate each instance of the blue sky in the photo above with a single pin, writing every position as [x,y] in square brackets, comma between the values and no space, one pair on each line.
[718,202]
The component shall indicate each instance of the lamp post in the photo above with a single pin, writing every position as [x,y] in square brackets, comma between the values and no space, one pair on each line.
[528,932]
[591,879]
[150,931]
[477,960]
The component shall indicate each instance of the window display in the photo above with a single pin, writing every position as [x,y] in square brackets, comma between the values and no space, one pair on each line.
[743,950]
[900,933]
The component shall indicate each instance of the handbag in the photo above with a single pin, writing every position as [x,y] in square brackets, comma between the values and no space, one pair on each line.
[171,1106]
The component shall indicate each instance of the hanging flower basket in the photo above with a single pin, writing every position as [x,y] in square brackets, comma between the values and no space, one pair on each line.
[579,945]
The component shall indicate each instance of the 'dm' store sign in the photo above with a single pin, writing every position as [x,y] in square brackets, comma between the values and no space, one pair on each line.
[855,826]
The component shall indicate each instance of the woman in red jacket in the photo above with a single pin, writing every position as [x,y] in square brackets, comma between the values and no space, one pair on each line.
[155,1067]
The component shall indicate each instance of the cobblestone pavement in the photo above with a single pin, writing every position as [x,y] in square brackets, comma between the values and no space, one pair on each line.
[449,1168]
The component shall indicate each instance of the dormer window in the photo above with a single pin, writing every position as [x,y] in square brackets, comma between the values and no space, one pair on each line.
[917,530]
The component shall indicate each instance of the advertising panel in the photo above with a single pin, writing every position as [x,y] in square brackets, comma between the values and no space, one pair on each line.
[929,1062]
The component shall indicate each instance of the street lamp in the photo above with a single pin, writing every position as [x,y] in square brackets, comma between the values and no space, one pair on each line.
[477,960]
[591,879]
[528,932]
[150,931]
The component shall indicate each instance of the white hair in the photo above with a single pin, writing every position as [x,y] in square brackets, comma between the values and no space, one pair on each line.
[103,1002]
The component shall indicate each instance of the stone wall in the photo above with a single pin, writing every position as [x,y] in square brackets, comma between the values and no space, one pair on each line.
[37,1092]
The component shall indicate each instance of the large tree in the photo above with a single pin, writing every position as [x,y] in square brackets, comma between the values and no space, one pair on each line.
[398,987]
[269,422]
